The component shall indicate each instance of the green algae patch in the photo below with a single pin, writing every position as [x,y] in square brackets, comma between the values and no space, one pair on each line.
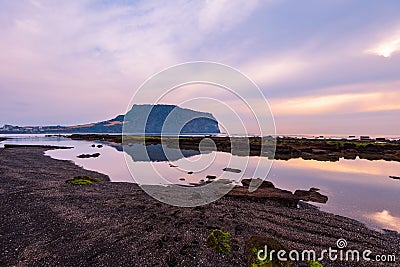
[82,180]
[258,250]
[315,264]
[256,262]
[219,241]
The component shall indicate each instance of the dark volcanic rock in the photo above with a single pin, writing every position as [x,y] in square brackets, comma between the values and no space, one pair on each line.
[85,156]
[225,181]
[314,189]
[264,184]
[319,151]
[350,154]
[283,197]
[231,170]
[311,195]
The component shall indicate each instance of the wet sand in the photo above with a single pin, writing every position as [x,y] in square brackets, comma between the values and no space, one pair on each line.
[47,222]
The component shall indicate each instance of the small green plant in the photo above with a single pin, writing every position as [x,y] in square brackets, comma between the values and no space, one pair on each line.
[219,241]
[260,245]
[257,262]
[315,264]
[82,180]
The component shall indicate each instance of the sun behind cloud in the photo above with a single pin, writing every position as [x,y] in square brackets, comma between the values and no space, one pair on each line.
[386,48]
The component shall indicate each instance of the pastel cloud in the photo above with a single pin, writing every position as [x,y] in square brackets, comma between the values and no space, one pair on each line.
[81,61]
[214,15]
[338,103]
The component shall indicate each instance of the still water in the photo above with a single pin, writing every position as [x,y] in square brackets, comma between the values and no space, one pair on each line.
[359,189]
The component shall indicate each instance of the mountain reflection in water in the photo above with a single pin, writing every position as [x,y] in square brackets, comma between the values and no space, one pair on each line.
[157,152]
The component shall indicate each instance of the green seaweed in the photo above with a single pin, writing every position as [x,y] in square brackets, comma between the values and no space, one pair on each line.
[258,244]
[257,262]
[219,241]
[82,180]
[315,264]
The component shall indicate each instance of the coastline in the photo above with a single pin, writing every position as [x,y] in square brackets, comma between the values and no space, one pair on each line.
[281,148]
[48,222]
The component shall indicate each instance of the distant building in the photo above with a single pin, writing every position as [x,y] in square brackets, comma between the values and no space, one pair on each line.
[365,138]
[352,138]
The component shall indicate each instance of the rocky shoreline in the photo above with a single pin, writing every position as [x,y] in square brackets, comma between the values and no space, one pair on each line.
[48,222]
[280,148]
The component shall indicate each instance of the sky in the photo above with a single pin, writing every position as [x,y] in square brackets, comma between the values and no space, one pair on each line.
[325,67]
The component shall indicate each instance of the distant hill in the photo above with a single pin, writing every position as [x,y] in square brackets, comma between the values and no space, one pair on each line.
[192,121]
[168,119]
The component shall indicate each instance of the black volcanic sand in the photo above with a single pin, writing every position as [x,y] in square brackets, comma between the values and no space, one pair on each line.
[47,222]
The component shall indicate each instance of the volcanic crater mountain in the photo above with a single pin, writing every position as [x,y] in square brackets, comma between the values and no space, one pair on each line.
[149,119]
